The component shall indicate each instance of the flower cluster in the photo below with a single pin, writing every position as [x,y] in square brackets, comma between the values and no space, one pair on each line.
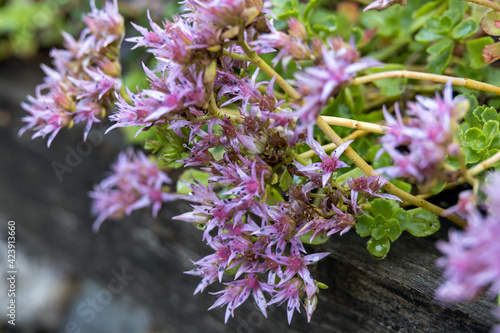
[86,76]
[135,183]
[472,261]
[426,135]
[338,63]
[206,93]
[292,45]
[266,186]
[268,255]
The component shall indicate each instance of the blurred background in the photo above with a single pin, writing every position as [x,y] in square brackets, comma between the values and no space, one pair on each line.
[128,278]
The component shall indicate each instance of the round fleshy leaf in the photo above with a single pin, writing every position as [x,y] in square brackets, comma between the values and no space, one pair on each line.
[422,223]
[379,247]
[379,228]
[491,23]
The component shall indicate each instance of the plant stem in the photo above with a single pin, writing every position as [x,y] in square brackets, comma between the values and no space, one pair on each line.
[355,135]
[277,94]
[214,111]
[331,146]
[486,3]
[235,56]
[333,136]
[310,153]
[461,82]
[368,170]
[300,159]
[486,164]
[361,125]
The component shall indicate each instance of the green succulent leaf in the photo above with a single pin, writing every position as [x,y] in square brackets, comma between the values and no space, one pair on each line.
[456,10]
[286,181]
[465,29]
[432,30]
[475,51]
[191,176]
[319,239]
[489,154]
[389,87]
[273,195]
[354,173]
[381,207]
[438,187]
[428,8]
[394,229]
[489,113]
[471,156]
[286,9]
[422,223]
[402,217]
[379,247]
[402,185]
[363,225]
[379,227]
[328,25]
[490,130]
[440,55]
[475,139]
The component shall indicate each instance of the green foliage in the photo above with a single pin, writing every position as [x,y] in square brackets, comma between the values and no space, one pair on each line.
[319,239]
[285,9]
[389,87]
[443,31]
[422,223]
[27,25]
[387,221]
[385,224]
[191,176]
[440,55]
[475,51]
[480,135]
[402,185]
[168,146]
[286,180]
[378,161]
[465,29]
[354,173]
[273,196]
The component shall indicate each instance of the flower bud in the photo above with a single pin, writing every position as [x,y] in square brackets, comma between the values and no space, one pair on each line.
[249,15]
[210,72]
[310,305]
[231,33]
[296,29]
[111,68]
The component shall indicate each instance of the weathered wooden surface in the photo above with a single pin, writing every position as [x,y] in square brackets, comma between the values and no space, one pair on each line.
[365,295]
